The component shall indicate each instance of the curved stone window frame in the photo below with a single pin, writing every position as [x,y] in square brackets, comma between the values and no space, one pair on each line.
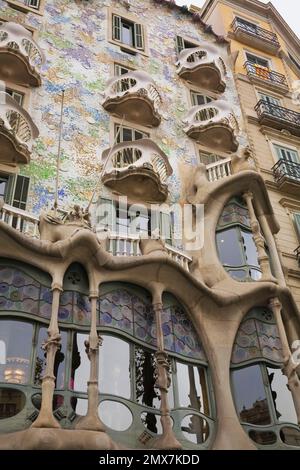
[64,413]
[243,271]
[263,363]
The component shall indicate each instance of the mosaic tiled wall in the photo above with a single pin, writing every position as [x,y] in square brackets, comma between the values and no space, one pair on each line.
[73,35]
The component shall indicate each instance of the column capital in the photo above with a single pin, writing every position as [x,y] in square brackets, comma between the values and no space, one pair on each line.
[56,286]
[248,195]
[275,303]
[157,306]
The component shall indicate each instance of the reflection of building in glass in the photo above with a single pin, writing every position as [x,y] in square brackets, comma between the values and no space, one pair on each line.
[118,328]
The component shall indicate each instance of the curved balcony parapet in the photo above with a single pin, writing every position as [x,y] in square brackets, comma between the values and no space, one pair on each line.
[214,125]
[20,57]
[203,66]
[138,169]
[135,96]
[17,131]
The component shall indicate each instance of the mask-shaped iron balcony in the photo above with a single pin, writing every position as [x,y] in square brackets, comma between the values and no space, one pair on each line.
[213,125]
[138,169]
[134,96]
[203,67]
[17,131]
[20,57]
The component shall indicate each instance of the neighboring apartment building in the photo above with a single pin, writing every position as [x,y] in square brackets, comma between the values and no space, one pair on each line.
[135,99]
[266,56]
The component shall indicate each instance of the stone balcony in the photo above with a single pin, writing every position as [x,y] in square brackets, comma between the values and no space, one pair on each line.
[255,36]
[213,125]
[115,243]
[278,117]
[135,97]
[203,67]
[17,131]
[138,169]
[20,57]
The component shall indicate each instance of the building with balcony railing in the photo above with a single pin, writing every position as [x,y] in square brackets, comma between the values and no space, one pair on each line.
[253,35]
[278,117]
[269,78]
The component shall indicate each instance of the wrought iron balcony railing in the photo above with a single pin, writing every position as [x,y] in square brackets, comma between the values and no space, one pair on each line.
[255,32]
[135,96]
[20,57]
[17,131]
[285,169]
[278,117]
[203,67]
[214,125]
[138,169]
[258,72]
[297,253]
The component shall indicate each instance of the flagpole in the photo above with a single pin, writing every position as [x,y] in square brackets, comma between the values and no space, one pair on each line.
[59,153]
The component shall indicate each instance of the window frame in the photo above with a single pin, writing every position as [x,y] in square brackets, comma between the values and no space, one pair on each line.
[23,7]
[113,13]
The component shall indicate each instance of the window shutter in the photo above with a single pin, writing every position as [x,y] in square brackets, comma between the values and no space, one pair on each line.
[179,44]
[138,36]
[297,223]
[116,28]
[21,192]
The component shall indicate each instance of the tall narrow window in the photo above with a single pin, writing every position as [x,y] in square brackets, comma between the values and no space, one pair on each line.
[236,247]
[199,99]
[182,43]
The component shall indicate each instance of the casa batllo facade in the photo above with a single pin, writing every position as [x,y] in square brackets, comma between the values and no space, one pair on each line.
[111,339]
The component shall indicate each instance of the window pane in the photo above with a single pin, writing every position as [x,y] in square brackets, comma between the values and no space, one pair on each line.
[282,398]
[229,247]
[115,415]
[146,393]
[114,367]
[11,402]
[250,249]
[127,34]
[192,389]
[250,395]
[195,429]
[80,371]
[3,186]
[16,344]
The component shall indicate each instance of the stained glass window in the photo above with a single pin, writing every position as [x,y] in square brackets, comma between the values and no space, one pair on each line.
[21,292]
[257,337]
[123,310]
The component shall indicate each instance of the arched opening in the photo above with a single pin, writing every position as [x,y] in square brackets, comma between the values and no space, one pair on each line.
[262,399]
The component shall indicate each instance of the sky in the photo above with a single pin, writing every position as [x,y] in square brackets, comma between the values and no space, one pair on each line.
[289,10]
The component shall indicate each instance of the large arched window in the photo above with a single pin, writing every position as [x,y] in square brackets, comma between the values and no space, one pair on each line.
[263,402]
[236,247]
[129,399]
[129,402]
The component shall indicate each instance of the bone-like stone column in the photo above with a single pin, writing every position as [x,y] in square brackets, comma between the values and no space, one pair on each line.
[273,250]
[289,367]
[258,240]
[45,418]
[168,439]
[92,421]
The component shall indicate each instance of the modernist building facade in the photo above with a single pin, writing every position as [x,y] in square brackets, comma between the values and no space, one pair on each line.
[117,330]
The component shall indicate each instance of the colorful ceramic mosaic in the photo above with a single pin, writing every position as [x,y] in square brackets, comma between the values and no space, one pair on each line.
[127,312]
[79,59]
[257,337]
[20,292]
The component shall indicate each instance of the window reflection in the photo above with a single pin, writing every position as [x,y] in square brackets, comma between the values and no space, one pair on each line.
[250,395]
[59,363]
[229,247]
[195,429]
[16,340]
[192,389]
[115,415]
[145,376]
[80,370]
[11,402]
[250,249]
[115,367]
[282,398]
